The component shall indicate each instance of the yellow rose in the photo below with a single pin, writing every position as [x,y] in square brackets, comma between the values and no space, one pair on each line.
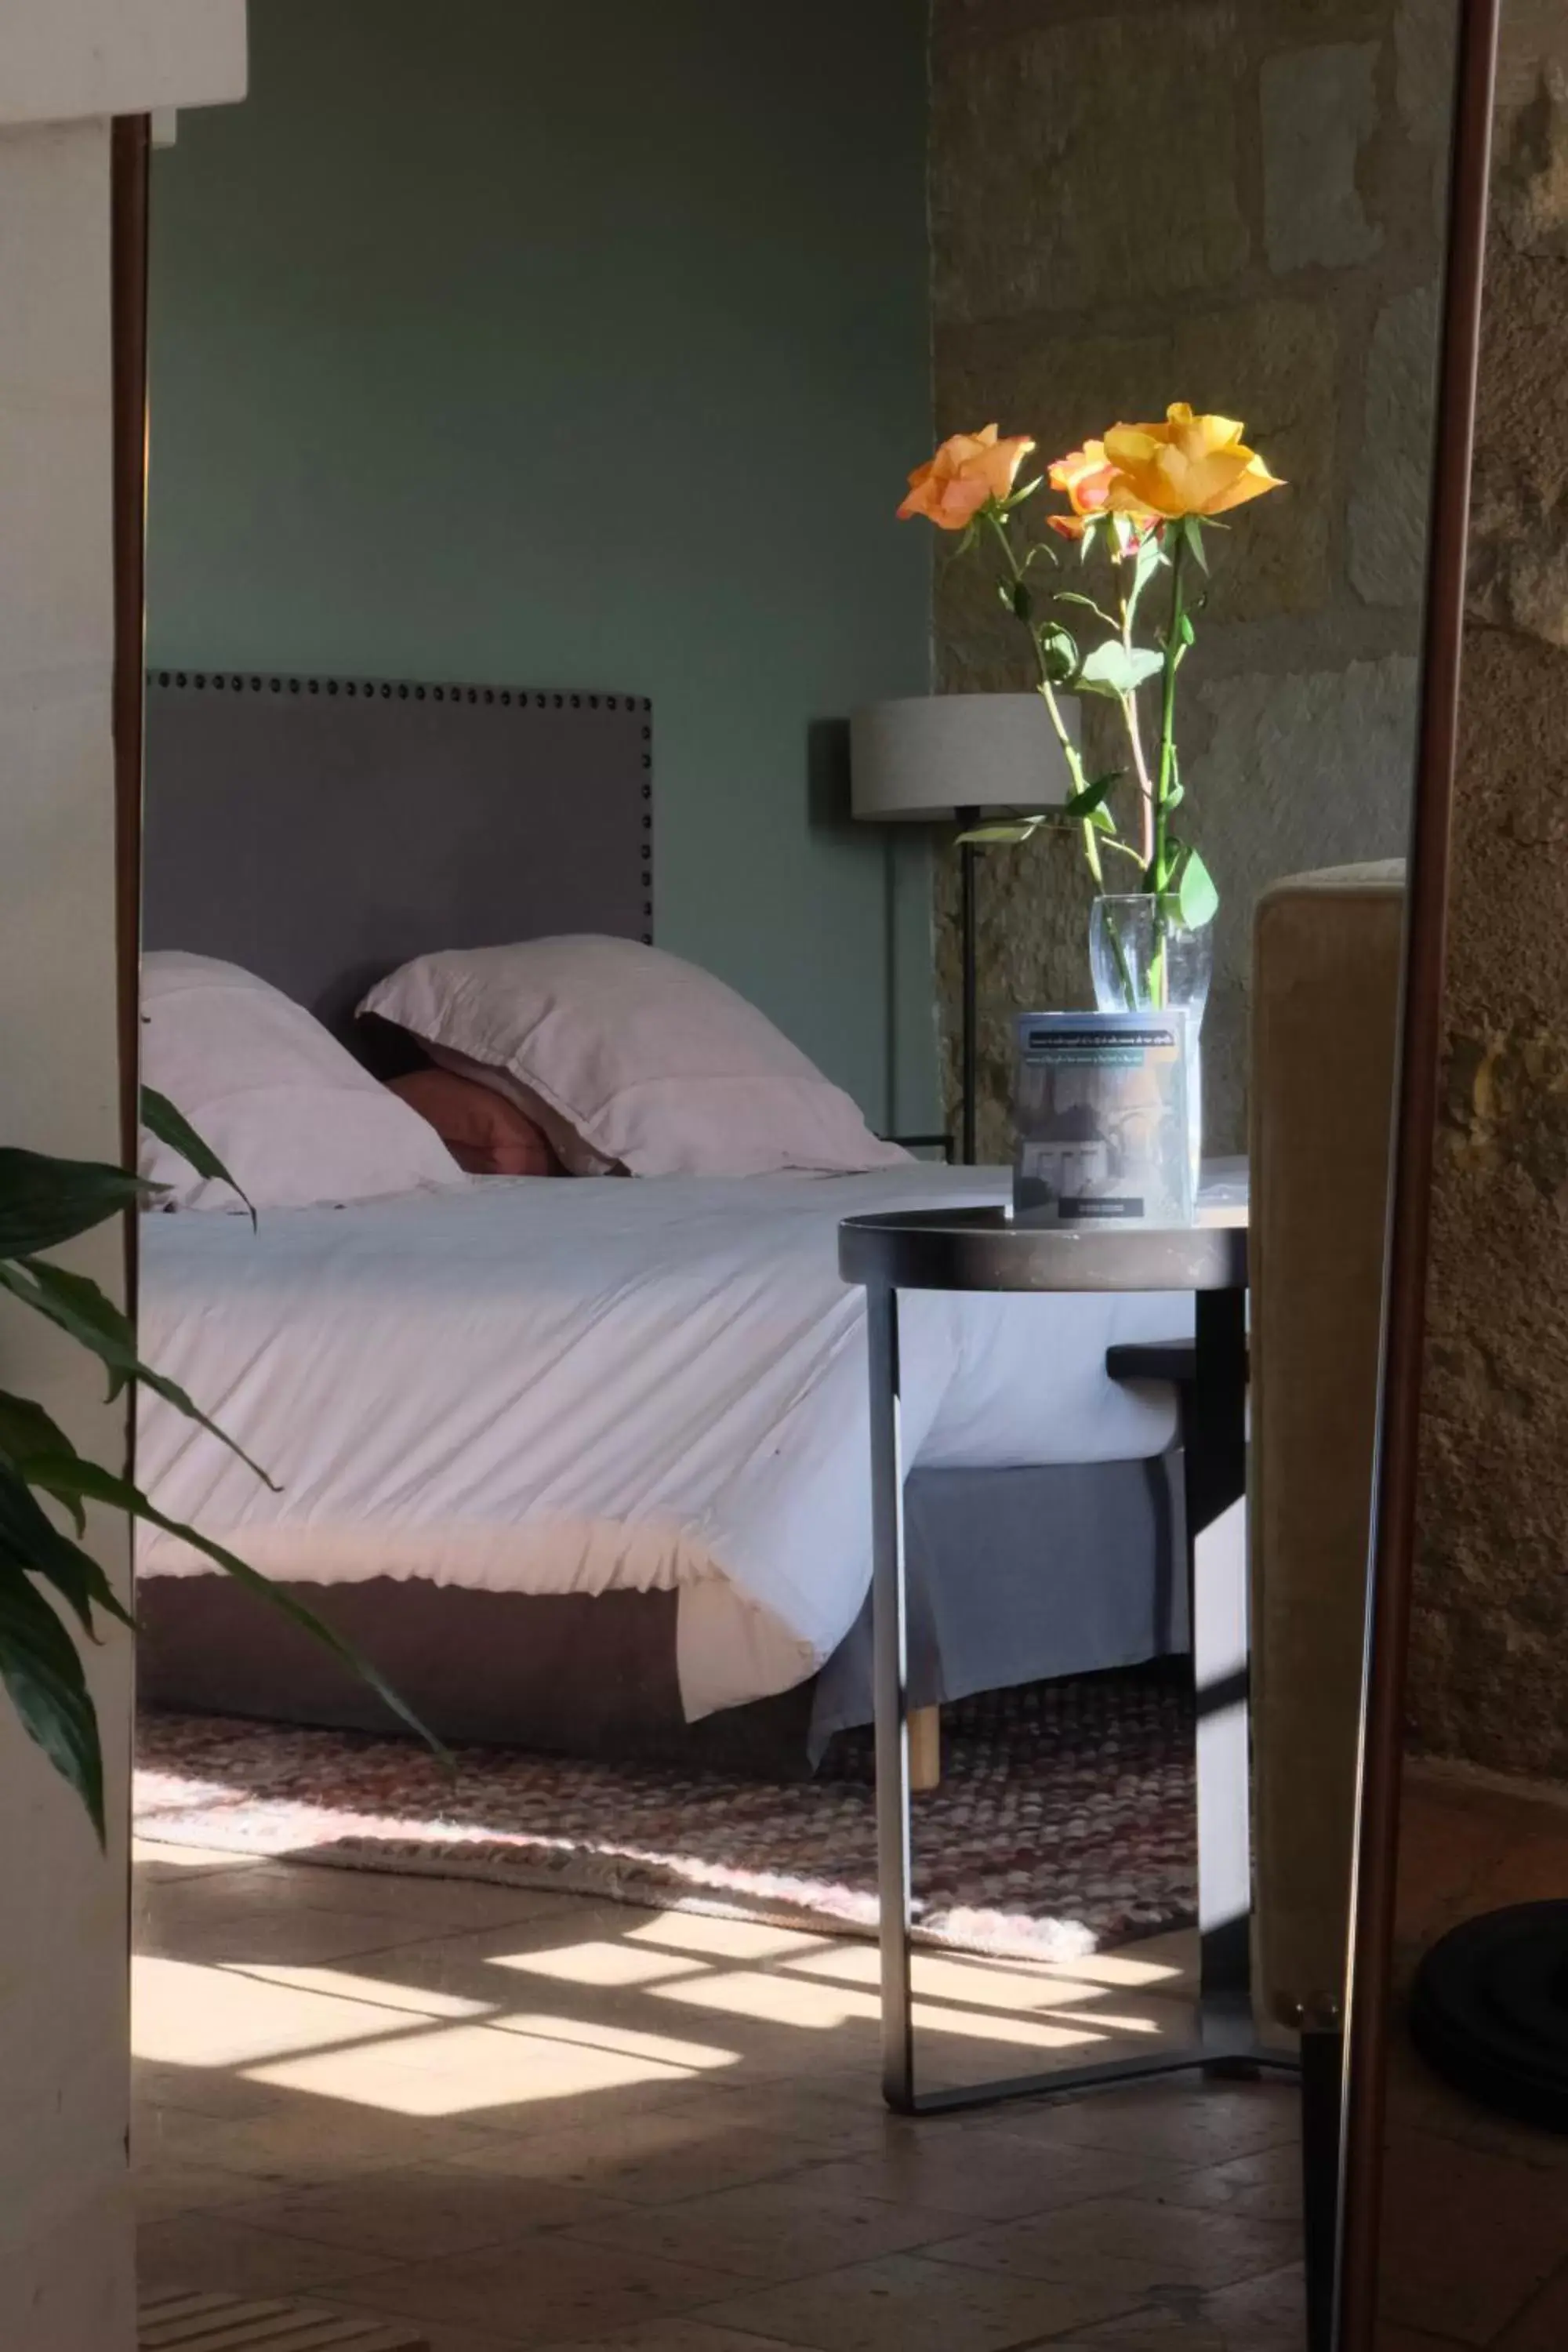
[1188,466]
[967,472]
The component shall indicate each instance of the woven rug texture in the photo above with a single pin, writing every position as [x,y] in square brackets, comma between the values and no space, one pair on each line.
[1064,1821]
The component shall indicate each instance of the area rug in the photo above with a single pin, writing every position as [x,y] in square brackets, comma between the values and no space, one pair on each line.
[1064,1821]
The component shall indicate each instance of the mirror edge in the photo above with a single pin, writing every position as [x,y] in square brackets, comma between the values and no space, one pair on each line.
[1392,1534]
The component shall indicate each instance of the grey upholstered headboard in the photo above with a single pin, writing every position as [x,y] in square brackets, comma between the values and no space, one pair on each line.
[322,831]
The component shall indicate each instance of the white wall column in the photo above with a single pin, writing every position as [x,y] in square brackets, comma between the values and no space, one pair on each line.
[66,67]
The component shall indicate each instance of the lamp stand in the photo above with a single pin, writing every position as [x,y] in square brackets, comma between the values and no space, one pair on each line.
[968,818]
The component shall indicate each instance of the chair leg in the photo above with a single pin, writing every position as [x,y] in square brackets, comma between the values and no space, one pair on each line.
[925,1747]
[1322,2071]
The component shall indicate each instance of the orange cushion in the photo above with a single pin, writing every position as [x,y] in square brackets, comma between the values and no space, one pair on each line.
[484,1133]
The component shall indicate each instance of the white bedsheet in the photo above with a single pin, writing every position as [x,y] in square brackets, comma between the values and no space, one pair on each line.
[542,1386]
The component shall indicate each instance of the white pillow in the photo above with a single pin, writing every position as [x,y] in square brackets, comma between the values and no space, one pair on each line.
[286,1110]
[630,1059]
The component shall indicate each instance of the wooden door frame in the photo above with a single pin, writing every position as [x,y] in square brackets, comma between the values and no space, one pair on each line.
[1368,2002]
[130,142]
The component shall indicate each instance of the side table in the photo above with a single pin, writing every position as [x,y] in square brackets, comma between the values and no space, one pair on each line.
[986,1249]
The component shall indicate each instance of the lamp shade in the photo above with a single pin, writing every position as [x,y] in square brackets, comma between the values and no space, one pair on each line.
[929,754]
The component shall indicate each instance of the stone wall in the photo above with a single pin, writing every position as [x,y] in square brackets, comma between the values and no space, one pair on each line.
[1489,1656]
[1236,203]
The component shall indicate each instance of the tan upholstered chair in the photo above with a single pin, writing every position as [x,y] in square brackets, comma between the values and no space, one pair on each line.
[1326,965]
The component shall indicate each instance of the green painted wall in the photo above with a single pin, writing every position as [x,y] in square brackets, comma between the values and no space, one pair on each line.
[582,345]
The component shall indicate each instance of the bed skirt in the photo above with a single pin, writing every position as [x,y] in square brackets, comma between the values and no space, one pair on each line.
[1014,1576]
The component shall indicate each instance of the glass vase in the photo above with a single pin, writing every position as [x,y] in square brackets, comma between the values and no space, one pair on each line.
[1144,959]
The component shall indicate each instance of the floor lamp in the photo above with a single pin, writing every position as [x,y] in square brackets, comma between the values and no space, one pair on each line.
[959,756]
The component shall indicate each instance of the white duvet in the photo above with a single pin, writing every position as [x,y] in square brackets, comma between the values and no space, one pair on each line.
[542,1386]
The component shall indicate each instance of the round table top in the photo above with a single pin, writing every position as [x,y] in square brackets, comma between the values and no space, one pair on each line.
[988,1249]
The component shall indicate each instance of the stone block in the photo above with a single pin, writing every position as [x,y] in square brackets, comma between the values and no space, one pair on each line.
[1534,33]
[1088,163]
[1390,490]
[1518,538]
[1532,189]
[1320,110]
[1423,37]
[1299,772]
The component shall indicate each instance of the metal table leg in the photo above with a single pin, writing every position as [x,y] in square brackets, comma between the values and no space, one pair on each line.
[891,1699]
[1216,1474]
[1216,1466]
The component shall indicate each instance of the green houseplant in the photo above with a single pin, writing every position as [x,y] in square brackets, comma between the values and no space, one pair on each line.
[53,1594]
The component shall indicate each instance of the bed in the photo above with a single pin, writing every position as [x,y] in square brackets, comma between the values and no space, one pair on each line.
[583,1464]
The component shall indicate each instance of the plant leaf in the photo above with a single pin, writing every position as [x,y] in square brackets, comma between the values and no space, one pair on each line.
[1093,795]
[43,1677]
[100,1485]
[1195,892]
[45,1201]
[1192,531]
[26,1433]
[80,1308]
[30,1540]
[1071,596]
[1113,669]
[77,1307]
[1150,558]
[1014,829]
[161,1117]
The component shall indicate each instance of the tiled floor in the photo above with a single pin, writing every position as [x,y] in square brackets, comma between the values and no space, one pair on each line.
[530,2120]
[1475,2221]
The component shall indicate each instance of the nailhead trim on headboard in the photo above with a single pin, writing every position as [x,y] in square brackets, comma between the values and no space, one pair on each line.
[405,691]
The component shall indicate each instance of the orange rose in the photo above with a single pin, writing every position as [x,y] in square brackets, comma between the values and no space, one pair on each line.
[1188,466]
[967,472]
[1084,476]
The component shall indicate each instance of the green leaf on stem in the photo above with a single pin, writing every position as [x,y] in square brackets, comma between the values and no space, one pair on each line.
[27,1434]
[1058,653]
[1116,669]
[161,1117]
[77,1307]
[30,1540]
[1009,830]
[1071,596]
[96,1484]
[1093,794]
[1193,530]
[1193,888]
[45,1202]
[1015,497]
[1150,557]
[1015,596]
[43,1679]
